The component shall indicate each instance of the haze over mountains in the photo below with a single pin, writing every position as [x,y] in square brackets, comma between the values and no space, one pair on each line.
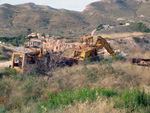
[16,19]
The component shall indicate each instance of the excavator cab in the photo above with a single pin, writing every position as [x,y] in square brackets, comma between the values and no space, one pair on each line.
[86,53]
[86,41]
[18,61]
[23,61]
[36,45]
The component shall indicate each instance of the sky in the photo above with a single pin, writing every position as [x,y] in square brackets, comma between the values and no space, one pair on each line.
[77,5]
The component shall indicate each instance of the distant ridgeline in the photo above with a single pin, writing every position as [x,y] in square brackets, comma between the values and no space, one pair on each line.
[16,19]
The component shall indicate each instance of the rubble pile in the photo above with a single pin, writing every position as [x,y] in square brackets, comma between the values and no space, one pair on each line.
[59,45]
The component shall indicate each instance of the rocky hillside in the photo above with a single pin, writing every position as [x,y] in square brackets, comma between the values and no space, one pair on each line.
[16,20]
[34,6]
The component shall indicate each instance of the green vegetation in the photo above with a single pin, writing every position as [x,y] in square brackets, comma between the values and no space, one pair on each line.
[139,26]
[70,96]
[2,49]
[115,58]
[133,99]
[16,41]
[3,58]
[100,27]
[35,92]
[8,72]
[137,39]
[121,23]
[69,41]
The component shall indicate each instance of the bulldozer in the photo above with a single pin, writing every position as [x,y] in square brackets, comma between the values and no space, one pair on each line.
[34,54]
[89,50]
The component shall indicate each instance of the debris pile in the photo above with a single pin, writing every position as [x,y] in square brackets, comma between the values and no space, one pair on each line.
[105,54]
[59,45]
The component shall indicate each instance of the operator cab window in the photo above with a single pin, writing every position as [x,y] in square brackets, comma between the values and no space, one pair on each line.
[18,60]
[37,44]
[31,44]
[77,53]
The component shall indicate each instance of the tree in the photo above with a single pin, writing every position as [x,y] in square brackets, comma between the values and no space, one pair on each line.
[100,27]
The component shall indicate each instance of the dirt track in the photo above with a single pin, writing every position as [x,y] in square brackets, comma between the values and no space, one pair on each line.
[5,64]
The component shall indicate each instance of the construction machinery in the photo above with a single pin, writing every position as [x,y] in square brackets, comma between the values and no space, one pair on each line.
[140,62]
[89,50]
[34,54]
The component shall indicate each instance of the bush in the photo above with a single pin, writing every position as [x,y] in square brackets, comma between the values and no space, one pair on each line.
[15,41]
[100,27]
[140,27]
[3,58]
[137,39]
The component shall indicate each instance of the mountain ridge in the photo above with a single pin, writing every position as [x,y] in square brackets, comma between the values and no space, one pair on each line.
[16,19]
[31,5]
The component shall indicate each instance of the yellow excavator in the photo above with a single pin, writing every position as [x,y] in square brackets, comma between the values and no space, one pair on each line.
[89,50]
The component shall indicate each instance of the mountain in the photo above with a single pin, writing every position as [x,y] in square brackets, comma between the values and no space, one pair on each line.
[115,9]
[17,19]
[34,6]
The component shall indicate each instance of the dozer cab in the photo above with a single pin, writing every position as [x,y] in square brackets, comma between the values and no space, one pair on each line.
[88,50]
[34,54]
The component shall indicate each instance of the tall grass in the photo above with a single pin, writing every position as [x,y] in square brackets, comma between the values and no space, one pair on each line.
[133,99]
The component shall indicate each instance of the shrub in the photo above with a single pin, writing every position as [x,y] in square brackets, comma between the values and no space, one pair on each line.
[3,58]
[137,39]
[100,27]
[15,41]
[146,41]
[139,26]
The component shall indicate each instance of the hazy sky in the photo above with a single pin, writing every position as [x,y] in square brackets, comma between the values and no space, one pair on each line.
[77,5]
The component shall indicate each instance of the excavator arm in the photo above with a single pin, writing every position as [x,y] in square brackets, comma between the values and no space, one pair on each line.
[101,42]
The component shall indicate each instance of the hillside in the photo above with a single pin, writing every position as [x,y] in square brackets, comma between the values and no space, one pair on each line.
[15,20]
[34,6]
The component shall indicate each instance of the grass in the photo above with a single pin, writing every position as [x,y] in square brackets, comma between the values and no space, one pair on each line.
[133,99]
[87,87]
[78,84]
[8,72]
